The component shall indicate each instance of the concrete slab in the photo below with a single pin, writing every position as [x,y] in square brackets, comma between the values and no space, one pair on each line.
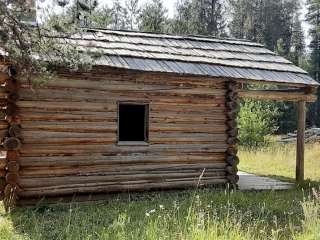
[253,182]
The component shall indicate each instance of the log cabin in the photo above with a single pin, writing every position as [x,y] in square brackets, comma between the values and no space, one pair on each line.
[155,112]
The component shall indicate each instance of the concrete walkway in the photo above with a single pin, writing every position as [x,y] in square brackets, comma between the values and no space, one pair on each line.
[252,182]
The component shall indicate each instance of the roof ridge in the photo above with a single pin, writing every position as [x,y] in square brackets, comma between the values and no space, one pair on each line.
[177,37]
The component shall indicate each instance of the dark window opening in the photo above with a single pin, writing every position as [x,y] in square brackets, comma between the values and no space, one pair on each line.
[133,122]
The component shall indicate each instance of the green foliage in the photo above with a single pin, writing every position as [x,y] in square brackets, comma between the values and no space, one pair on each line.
[313,18]
[205,17]
[257,121]
[153,17]
[265,21]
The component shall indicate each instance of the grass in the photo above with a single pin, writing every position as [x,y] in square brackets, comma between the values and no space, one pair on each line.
[194,214]
[279,160]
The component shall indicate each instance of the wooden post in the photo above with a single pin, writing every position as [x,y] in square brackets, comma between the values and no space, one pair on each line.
[300,141]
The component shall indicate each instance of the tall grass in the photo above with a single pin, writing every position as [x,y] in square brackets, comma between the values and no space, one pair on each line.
[198,214]
[280,160]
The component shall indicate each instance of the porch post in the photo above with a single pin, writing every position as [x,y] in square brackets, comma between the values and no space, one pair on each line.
[300,141]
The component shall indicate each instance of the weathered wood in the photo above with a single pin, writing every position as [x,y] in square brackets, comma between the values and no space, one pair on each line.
[27,182]
[12,109]
[15,130]
[69,131]
[12,143]
[90,159]
[233,179]
[12,178]
[232,170]
[278,95]
[28,149]
[233,160]
[119,186]
[300,141]
[12,85]
[13,97]
[13,166]
[108,169]
[12,155]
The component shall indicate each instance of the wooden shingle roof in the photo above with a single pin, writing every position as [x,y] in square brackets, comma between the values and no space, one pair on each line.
[195,55]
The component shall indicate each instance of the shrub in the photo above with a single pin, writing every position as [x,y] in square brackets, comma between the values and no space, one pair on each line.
[257,121]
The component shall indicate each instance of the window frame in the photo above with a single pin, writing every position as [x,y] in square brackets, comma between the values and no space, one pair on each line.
[146,123]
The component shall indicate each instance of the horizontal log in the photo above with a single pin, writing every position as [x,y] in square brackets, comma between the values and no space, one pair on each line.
[103,107]
[103,80]
[113,119]
[113,140]
[118,169]
[72,180]
[125,186]
[153,136]
[76,149]
[112,128]
[278,95]
[4,124]
[89,160]
[161,94]
[112,116]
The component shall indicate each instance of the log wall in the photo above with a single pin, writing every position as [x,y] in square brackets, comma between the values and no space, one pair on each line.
[69,134]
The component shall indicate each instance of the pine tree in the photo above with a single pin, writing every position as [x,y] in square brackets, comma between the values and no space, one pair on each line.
[264,21]
[133,11]
[153,17]
[205,17]
[297,50]
[313,17]
[183,22]
[118,16]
